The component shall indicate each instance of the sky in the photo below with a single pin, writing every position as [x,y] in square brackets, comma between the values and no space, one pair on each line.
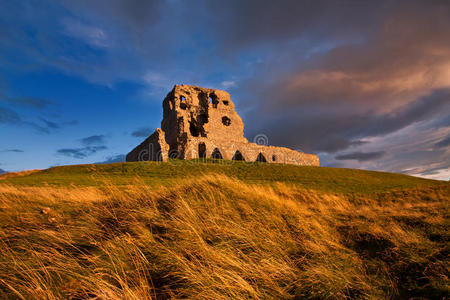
[364,84]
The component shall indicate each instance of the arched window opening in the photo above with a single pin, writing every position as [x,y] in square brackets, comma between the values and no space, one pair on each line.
[216,154]
[238,156]
[261,158]
[201,150]
[274,157]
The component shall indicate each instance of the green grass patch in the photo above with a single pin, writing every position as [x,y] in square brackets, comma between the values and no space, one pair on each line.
[337,180]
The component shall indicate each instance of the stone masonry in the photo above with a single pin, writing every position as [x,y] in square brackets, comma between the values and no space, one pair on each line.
[202,123]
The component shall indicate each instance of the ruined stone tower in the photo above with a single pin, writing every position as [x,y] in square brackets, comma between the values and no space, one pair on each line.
[202,123]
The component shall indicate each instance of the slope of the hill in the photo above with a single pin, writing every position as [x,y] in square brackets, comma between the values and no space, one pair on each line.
[153,173]
[222,232]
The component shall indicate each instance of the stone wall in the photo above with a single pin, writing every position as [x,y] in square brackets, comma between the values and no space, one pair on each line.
[199,122]
[154,148]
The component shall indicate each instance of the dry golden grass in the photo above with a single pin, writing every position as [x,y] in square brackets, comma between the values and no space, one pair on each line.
[215,237]
[17,174]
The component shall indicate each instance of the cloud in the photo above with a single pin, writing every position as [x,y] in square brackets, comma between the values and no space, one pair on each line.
[70,123]
[81,153]
[339,89]
[227,84]
[327,128]
[410,150]
[443,143]
[245,24]
[92,35]
[102,41]
[113,159]
[361,156]
[9,116]
[329,77]
[28,102]
[134,15]
[50,124]
[13,150]
[94,140]
[91,145]
[142,132]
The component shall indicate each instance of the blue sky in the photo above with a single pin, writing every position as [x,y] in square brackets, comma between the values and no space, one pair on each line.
[364,85]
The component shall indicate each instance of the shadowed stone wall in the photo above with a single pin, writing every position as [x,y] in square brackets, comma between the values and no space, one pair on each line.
[199,122]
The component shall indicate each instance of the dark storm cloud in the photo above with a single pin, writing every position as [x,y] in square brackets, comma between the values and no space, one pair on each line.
[94,140]
[81,153]
[330,130]
[361,156]
[142,132]
[248,23]
[113,159]
[372,85]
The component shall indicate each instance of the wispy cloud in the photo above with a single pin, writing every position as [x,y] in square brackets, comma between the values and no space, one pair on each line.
[361,156]
[443,143]
[94,140]
[81,153]
[13,150]
[112,159]
[9,116]
[50,124]
[27,101]
[142,132]
[228,84]
[91,35]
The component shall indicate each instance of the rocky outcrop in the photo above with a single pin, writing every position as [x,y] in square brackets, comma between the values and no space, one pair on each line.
[203,123]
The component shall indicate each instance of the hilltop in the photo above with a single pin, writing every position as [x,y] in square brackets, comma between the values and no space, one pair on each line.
[335,180]
[214,229]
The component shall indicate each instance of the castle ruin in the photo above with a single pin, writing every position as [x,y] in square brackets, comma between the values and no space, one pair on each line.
[202,123]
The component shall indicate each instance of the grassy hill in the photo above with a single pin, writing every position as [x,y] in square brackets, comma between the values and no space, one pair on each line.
[222,230]
[156,174]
